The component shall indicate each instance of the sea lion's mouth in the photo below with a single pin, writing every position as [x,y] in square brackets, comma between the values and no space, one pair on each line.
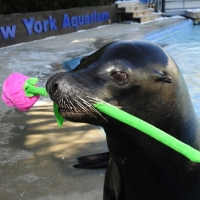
[77,108]
[75,112]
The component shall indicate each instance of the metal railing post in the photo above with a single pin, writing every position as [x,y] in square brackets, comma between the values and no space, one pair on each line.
[163,6]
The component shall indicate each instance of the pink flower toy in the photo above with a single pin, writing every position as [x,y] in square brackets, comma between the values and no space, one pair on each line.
[21,92]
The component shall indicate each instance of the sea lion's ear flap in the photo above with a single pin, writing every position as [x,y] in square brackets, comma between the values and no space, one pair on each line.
[163,77]
[82,64]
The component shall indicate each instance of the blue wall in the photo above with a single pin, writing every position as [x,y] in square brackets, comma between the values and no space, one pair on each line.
[38,25]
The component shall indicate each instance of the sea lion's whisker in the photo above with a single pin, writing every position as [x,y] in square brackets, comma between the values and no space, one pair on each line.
[92,107]
[101,101]
[59,100]
[67,101]
[87,104]
[94,99]
[73,106]
[62,102]
[100,115]
[70,106]
[80,105]
[59,95]
[97,100]
[85,109]
[67,104]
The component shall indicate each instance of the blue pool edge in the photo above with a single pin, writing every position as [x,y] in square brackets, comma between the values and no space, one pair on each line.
[165,32]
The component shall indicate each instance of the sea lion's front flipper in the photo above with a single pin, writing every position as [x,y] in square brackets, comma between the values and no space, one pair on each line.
[93,161]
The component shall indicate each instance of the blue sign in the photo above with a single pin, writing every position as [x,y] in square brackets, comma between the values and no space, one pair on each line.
[38,26]
[32,26]
[8,31]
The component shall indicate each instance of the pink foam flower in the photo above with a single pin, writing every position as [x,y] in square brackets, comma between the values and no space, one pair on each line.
[13,93]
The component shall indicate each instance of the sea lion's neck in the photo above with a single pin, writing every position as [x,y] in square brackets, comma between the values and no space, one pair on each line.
[138,155]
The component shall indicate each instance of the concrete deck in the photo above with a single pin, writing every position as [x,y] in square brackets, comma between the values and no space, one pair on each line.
[36,156]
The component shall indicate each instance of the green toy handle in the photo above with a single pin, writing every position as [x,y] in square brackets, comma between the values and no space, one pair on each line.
[32,90]
[161,136]
[59,118]
[36,91]
[184,149]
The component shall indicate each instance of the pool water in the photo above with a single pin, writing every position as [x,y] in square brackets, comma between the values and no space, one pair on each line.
[184,48]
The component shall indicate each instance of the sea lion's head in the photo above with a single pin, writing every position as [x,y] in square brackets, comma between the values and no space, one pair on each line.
[139,77]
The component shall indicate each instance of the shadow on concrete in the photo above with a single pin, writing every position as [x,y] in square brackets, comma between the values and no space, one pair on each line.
[38,157]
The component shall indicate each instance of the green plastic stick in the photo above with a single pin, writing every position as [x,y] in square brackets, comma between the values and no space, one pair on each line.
[161,136]
[32,90]
[59,118]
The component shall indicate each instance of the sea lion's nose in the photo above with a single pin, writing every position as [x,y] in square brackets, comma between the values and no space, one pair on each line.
[52,85]
[55,88]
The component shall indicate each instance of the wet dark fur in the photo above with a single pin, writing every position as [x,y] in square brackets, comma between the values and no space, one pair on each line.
[151,87]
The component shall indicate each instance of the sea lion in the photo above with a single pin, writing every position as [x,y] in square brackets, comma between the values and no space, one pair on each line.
[142,79]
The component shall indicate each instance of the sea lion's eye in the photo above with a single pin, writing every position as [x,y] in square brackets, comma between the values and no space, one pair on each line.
[119,77]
